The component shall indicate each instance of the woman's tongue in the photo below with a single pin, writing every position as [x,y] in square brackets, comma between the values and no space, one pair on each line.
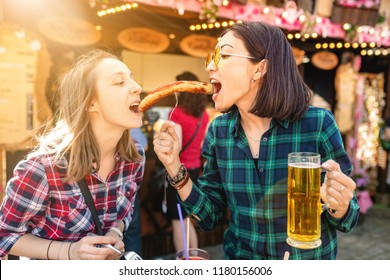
[134,108]
[217,87]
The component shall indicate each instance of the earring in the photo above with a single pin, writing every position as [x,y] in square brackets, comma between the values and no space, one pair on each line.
[253,80]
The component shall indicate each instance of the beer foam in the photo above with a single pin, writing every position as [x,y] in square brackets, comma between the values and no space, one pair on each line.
[304,164]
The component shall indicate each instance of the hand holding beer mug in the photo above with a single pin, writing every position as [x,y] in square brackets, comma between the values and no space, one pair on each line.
[304,206]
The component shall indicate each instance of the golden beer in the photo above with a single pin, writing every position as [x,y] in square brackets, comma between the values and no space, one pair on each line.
[304,207]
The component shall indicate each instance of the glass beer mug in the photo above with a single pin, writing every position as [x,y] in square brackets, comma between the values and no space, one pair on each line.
[304,204]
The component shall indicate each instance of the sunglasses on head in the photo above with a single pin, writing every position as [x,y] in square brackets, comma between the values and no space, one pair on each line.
[216,56]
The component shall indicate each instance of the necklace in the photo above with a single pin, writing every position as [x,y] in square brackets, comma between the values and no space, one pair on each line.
[249,137]
[254,140]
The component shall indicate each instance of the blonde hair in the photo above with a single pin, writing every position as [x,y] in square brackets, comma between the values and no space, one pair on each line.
[72,136]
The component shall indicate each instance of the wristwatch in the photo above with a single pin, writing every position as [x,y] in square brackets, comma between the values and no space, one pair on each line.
[180,176]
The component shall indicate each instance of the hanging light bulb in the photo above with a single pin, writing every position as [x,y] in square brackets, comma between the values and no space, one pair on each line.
[180,8]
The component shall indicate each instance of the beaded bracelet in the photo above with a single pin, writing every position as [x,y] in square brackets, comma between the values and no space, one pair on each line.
[179,177]
[48,248]
[182,183]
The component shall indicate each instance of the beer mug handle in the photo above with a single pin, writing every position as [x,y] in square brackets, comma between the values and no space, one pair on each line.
[325,207]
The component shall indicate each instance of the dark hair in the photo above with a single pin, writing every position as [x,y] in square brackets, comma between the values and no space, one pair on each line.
[193,104]
[187,76]
[283,94]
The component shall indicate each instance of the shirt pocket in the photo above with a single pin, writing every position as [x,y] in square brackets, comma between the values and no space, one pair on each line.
[58,206]
[73,215]
[79,218]
[125,198]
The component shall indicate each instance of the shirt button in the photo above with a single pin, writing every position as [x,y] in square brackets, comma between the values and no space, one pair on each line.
[265,139]
[104,209]
[261,169]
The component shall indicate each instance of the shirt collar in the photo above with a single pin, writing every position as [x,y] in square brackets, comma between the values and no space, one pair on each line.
[117,159]
[284,123]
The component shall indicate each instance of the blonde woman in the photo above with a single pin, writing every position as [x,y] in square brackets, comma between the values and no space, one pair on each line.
[44,214]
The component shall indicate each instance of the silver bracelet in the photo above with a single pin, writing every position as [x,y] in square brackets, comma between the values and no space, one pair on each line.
[118,231]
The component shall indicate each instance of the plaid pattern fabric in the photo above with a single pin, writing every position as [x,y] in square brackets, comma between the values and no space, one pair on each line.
[37,201]
[256,195]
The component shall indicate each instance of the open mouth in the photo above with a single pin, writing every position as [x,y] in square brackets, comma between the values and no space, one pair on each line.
[217,85]
[134,107]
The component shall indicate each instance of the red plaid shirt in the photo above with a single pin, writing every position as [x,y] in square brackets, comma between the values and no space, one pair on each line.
[37,201]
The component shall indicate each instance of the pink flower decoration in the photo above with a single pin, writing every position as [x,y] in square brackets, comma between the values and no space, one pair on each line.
[364,201]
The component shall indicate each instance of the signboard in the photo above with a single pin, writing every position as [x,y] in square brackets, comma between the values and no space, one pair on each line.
[298,55]
[143,40]
[355,15]
[325,60]
[20,79]
[198,45]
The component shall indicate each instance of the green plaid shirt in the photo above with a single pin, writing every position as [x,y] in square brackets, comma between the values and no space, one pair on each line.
[256,195]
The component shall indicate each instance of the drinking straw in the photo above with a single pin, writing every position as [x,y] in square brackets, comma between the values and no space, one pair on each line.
[182,230]
[188,233]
